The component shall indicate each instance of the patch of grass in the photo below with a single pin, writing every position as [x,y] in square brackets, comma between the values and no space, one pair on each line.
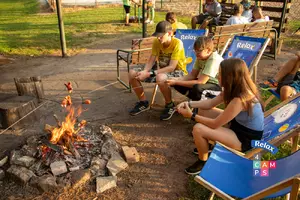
[24,31]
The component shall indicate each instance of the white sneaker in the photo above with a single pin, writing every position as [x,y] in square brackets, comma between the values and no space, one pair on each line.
[151,22]
[147,21]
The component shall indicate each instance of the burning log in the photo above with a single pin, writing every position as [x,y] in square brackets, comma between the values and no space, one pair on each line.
[57,120]
[48,128]
[73,150]
[54,147]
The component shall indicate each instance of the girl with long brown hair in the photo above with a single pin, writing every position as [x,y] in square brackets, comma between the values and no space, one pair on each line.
[243,109]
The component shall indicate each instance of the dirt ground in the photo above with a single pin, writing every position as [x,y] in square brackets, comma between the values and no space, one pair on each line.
[164,146]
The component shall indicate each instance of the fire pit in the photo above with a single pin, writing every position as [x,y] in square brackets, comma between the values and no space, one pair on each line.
[71,153]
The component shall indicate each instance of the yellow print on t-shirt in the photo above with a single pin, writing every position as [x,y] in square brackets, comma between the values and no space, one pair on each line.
[164,59]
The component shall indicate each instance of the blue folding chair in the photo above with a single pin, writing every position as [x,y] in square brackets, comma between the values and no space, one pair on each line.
[281,123]
[228,174]
[188,37]
[249,49]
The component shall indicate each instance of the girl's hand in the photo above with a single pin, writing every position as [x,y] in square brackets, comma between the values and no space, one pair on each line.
[185,110]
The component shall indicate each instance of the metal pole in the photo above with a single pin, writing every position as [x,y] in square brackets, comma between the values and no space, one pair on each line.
[61,29]
[144,24]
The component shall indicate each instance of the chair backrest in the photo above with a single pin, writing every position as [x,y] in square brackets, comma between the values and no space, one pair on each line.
[254,29]
[224,166]
[141,57]
[282,120]
[188,37]
[246,48]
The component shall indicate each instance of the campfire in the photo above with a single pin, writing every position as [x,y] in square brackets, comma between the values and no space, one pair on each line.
[70,153]
[66,134]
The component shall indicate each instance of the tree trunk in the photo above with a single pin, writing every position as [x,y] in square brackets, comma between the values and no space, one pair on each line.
[32,86]
[13,109]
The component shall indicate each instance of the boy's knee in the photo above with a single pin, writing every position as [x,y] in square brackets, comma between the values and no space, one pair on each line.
[132,74]
[161,78]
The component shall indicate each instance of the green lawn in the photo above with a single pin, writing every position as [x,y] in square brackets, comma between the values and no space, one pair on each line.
[25,31]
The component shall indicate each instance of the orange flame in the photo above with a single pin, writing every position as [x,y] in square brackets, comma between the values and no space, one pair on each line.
[67,127]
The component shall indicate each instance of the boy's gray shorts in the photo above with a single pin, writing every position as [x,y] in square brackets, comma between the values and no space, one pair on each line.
[176,73]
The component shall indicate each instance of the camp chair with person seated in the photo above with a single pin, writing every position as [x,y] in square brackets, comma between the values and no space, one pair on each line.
[229,174]
[282,122]
[188,37]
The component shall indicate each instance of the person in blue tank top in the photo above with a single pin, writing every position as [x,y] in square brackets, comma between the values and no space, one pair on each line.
[243,111]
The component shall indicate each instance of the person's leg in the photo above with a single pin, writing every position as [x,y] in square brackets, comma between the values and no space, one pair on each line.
[286,92]
[202,134]
[136,85]
[164,87]
[152,14]
[204,91]
[291,67]
[197,20]
[127,12]
[223,135]
[143,104]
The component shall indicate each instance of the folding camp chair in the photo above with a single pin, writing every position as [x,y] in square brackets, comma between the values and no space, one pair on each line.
[188,37]
[249,49]
[282,122]
[228,174]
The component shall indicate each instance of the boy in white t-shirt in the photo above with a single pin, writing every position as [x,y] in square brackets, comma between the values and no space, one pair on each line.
[237,17]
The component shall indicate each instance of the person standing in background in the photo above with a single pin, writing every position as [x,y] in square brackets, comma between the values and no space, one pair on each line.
[126,5]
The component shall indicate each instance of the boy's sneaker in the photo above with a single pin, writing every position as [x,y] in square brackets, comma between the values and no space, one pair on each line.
[195,168]
[268,84]
[210,148]
[168,111]
[139,107]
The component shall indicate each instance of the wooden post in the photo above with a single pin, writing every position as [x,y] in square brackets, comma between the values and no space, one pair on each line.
[31,86]
[61,29]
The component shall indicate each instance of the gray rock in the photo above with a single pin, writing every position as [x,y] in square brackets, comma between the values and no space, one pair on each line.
[80,177]
[3,161]
[29,150]
[14,155]
[46,183]
[33,140]
[58,168]
[109,146]
[2,174]
[100,162]
[105,130]
[25,161]
[116,164]
[20,174]
[105,183]
[96,170]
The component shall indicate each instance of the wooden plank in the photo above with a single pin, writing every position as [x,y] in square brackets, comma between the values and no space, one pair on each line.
[295,189]
[271,190]
[274,9]
[278,19]
[289,1]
